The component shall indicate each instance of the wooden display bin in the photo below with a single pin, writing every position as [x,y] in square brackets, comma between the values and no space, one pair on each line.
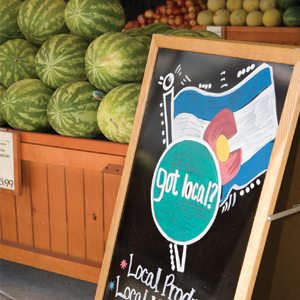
[273,35]
[61,219]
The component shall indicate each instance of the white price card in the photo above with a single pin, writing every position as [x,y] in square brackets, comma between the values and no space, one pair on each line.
[9,161]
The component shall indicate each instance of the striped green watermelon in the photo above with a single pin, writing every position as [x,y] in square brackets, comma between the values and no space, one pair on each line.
[8,20]
[91,18]
[117,110]
[24,105]
[17,61]
[115,58]
[291,17]
[61,60]
[72,110]
[2,91]
[41,19]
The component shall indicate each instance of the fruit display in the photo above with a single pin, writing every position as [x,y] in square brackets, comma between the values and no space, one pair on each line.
[9,28]
[40,19]
[24,105]
[2,90]
[75,67]
[117,110]
[61,59]
[17,61]
[91,18]
[267,13]
[72,110]
[115,58]
[176,13]
[291,16]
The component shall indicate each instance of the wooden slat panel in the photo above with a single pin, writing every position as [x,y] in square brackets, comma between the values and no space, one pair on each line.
[24,209]
[68,158]
[75,212]
[50,263]
[90,145]
[40,207]
[94,216]
[57,209]
[111,186]
[8,218]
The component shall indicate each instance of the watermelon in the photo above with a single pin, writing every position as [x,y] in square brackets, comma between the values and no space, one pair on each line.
[285,4]
[40,19]
[72,110]
[17,61]
[8,20]
[115,58]
[155,28]
[182,32]
[117,111]
[291,17]
[24,105]
[2,91]
[91,18]
[61,59]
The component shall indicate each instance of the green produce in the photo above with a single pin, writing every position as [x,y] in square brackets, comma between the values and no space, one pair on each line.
[91,18]
[265,5]
[2,91]
[117,111]
[8,20]
[115,58]
[61,60]
[205,17]
[254,18]
[215,5]
[232,5]
[249,5]
[183,32]
[72,110]
[17,61]
[291,17]
[40,19]
[272,17]
[238,17]
[24,105]
[285,4]
[221,17]
[155,28]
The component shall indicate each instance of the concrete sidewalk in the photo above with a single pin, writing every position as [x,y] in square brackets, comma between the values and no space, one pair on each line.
[19,282]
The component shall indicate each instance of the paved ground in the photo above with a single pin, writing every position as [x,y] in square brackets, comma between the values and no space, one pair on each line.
[19,282]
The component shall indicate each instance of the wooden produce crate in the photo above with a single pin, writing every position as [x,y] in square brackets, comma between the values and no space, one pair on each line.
[61,219]
[275,35]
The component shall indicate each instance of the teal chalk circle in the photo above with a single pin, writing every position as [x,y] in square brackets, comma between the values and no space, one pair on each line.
[185,191]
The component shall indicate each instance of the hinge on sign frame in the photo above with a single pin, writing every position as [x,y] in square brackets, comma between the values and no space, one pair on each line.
[113,169]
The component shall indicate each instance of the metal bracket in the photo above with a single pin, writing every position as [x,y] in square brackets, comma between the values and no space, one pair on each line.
[285,213]
[113,169]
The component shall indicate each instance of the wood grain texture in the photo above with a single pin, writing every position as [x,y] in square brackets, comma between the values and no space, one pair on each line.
[75,212]
[57,209]
[94,215]
[24,213]
[40,206]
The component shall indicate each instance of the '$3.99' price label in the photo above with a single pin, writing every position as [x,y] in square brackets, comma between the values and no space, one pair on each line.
[6,161]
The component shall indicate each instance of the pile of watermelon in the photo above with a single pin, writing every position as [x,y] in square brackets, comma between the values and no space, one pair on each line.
[70,68]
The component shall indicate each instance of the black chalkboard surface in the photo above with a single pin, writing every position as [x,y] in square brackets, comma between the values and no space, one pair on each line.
[191,216]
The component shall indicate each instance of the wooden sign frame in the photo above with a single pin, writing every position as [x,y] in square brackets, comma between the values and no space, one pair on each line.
[272,181]
[16,163]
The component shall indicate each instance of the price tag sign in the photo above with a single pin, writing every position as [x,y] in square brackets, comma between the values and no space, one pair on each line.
[9,162]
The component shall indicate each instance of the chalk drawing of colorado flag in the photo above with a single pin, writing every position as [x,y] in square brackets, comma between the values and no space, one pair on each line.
[239,125]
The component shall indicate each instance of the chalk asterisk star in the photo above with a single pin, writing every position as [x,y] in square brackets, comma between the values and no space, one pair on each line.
[111,285]
[123,264]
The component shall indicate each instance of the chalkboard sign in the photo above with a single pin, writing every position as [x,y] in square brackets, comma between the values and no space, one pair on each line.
[10,163]
[191,215]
